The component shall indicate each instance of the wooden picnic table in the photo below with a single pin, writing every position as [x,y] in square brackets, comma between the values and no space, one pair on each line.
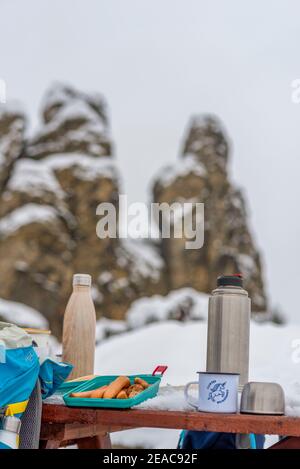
[91,428]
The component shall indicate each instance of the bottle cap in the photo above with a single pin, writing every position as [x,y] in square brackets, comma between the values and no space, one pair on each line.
[235,280]
[82,279]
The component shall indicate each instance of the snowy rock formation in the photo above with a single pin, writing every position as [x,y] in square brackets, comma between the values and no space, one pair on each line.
[12,127]
[201,175]
[50,187]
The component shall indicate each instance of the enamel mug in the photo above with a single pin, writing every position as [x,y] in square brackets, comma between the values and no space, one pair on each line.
[217,392]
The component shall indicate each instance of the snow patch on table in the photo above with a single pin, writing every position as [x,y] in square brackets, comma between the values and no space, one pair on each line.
[168,398]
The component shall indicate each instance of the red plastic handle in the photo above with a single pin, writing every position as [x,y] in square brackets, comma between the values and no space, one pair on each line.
[159,369]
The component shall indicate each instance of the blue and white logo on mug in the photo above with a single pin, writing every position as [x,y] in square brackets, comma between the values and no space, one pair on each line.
[217,392]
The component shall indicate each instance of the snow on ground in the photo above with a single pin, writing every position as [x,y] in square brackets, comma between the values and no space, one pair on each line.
[274,356]
[22,315]
[156,438]
[106,327]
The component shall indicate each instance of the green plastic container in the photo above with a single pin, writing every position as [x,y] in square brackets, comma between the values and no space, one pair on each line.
[99,381]
[70,386]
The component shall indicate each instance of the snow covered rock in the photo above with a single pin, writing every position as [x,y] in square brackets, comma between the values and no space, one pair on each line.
[73,122]
[12,127]
[50,187]
[182,305]
[54,182]
[201,175]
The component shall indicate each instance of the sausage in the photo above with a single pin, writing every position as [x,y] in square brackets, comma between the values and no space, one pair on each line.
[122,395]
[134,387]
[134,390]
[98,393]
[142,382]
[81,394]
[116,386]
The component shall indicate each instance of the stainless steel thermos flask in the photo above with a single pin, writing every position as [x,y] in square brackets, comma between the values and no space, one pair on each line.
[229,328]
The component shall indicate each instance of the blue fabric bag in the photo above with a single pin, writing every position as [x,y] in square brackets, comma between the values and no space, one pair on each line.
[19,369]
[52,374]
[190,440]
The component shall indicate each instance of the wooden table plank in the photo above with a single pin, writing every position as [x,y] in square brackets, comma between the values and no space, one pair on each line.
[287,443]
[230,423]
[101,441]
[74,431]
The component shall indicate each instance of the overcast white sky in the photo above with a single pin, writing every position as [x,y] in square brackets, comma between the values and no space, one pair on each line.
[159,61]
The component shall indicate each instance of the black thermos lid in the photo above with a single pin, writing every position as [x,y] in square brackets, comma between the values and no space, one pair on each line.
[235,280]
